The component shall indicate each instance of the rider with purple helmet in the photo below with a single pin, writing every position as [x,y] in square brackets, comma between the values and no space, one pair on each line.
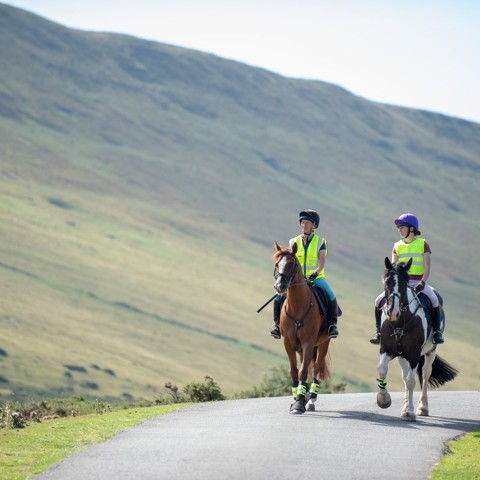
[407,220]
[412,246]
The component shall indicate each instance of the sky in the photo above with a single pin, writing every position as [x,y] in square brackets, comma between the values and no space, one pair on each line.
[421,54]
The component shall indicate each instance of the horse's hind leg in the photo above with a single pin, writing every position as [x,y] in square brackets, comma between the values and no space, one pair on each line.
[422,407]
[312,395]
[321,371]
[408,373]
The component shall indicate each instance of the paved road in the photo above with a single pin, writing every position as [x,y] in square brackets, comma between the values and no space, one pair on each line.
[348,437]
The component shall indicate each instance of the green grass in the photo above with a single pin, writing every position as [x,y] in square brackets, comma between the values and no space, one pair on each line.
[30,451]
[463,463]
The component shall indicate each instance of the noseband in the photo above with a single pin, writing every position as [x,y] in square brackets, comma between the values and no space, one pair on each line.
[401,305]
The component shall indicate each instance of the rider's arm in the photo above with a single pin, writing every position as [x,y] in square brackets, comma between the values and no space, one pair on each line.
[426,263]
[322,258]
[394,256]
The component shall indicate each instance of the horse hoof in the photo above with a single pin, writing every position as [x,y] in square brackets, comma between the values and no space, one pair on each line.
[310,407]
[422,412]
[384,400]
[297,411]
[408,417]
[297,408]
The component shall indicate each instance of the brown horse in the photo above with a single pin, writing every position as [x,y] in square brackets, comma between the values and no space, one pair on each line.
[302,328]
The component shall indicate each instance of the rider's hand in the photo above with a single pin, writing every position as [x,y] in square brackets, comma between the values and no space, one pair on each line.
[312,276]
[419,286]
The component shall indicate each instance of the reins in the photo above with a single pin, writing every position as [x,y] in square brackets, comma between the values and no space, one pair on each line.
[399,332]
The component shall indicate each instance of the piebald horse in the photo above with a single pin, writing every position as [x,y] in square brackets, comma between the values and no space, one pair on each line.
[406,333]
[303,329]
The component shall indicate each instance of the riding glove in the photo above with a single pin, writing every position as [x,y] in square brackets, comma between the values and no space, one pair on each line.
[313,276]
[419,286]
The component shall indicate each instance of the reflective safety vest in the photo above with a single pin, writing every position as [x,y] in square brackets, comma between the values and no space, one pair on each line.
[309,259]
[415,250]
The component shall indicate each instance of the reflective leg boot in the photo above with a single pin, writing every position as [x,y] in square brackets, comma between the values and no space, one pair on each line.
[378,319]
[275,330]
[332,319]
[437,327]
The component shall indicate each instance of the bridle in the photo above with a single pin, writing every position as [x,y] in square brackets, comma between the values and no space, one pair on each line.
[299,322]
[399,331]
[390,299]
[289,279]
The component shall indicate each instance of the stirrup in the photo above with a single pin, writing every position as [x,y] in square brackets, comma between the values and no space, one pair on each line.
[332,331]
[275,332]
[375,338]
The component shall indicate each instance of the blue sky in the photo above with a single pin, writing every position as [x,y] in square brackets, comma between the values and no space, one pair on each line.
[414,53]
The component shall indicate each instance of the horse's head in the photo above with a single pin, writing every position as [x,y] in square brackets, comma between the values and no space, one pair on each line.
[395,281]
[286,267]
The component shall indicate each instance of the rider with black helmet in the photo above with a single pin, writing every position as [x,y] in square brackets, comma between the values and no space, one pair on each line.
[311,253]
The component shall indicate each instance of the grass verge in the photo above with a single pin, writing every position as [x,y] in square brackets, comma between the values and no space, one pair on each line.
[26,452]
[463,463]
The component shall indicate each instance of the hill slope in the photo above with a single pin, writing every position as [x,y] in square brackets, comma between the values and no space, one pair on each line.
[143,185]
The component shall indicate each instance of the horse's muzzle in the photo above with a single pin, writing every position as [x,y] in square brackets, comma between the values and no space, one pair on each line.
[281,287]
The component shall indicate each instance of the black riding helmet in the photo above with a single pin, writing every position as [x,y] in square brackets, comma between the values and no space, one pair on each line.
[311,215]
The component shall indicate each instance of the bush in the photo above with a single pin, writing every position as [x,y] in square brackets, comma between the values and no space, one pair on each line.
[203,392]
[277,383]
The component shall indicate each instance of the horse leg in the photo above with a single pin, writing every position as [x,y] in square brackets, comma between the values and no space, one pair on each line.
[422,406]
[384,400]
[299,405]
[408,373]
[320,372]
[292,358]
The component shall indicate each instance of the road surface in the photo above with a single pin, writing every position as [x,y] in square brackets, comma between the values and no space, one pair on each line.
[348,437]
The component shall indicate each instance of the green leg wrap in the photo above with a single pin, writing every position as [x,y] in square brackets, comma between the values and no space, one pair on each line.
[382,384]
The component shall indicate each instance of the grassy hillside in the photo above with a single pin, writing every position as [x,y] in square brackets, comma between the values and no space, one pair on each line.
[142,187]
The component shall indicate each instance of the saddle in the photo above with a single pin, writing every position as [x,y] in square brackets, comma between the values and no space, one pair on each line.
[427,304]
[322,300]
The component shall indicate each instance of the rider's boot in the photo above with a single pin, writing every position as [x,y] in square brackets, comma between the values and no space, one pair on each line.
[378,318]
[332,318]
[275,330]
[437,327]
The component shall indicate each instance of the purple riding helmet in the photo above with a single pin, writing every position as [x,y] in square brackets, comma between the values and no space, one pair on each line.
[408,220]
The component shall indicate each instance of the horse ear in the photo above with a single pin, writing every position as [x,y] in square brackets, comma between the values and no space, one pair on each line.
[408,265]
[277,246]
[388,263]
[294,248]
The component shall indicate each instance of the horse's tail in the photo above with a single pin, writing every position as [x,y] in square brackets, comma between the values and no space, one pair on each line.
[324,372]
[442,372]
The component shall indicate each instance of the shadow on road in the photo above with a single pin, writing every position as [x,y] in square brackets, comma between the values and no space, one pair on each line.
[459,424]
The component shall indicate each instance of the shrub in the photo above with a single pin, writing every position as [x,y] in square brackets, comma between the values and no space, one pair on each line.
[277,383]
[203,392]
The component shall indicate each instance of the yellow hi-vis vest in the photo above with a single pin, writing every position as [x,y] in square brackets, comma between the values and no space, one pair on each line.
[309,259]
[414,250]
